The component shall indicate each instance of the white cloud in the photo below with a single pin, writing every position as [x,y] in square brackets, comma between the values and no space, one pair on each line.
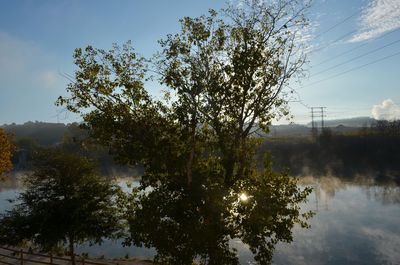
[378,17]
[387,110]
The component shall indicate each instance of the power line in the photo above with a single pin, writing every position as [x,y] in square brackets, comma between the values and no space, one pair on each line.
[350,111]
[301,103]
[357,57]
[353,69]
[333,42]
[298,100]
[354,48]
[343,36]
[350,108]
[337,24]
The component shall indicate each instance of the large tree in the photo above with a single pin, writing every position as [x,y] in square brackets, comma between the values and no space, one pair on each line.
[5,152]
[225,76]
[64,202]
[231,72]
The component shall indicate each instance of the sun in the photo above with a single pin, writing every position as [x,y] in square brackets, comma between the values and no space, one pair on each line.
[243,197]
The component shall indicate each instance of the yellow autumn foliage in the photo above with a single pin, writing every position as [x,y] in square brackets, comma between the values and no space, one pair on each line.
[5,152]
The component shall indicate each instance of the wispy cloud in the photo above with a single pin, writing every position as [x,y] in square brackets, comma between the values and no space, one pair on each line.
[387,110]
[378,17]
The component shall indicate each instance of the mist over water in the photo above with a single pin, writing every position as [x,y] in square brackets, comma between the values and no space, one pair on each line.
[356,222]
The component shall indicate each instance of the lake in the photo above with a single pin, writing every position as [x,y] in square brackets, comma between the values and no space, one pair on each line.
[356,222]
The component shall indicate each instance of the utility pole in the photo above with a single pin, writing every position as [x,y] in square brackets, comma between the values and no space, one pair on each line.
[322,117]
[317,112]
[312,119]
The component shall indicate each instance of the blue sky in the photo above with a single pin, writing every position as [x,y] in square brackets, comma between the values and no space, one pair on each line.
[37,39]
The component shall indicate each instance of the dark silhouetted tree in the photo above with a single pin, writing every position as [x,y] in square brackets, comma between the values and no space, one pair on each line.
[226,75]
[64,202]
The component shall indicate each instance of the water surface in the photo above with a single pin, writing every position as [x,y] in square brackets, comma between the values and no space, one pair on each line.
[356,222]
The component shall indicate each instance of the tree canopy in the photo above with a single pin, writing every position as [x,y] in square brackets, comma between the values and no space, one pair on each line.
[225,77]
[64,202]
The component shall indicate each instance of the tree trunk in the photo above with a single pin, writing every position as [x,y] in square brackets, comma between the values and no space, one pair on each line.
[190,161]
[71,249]
[229,167]
[213,257]
[230,164]
[189,169]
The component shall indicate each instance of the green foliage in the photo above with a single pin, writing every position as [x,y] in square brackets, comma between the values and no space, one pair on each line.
[270,211]
[368,152]
[64,201]
[225,76]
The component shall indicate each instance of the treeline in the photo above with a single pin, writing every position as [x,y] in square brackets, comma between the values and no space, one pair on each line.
[31,137]
[37,133]
[372,150]
[343,153]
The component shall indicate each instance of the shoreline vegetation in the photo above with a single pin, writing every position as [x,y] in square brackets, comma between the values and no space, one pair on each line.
[341,151]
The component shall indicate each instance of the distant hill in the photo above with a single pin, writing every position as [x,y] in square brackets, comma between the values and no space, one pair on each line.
[350,122]
[47,134]
[339,126]
[343,152]
[42,133]
[289,130]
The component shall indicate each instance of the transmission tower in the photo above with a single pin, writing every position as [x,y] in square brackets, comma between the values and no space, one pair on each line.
[317,119]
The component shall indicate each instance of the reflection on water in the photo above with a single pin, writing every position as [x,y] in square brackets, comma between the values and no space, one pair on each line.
[356,222]
[9,189]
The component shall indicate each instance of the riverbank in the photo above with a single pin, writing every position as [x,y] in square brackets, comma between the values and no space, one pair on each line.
[14,256]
